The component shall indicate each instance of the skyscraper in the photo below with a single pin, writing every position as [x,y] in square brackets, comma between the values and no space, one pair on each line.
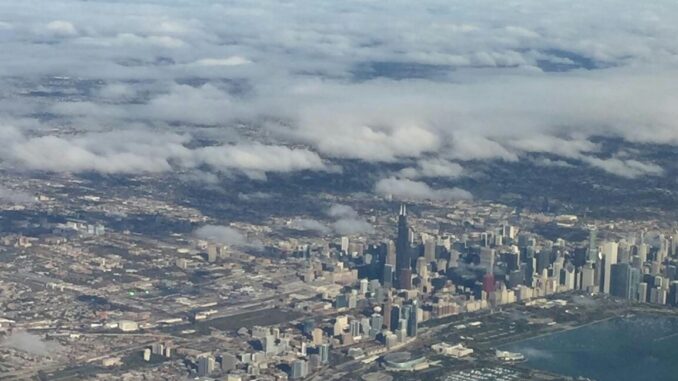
[387,279]
[487,259]
[610,251]
[298,369]
[344,244]
[390,253]
[205,365]
[387,312]
[405,279]
[588,277]
[642,292]
[412,322]
[673,294]
[376,323]
[228,362]
[269,345]
[624,280]
[324,352]
[643,251]
[317,336]
[395,317]
[354,328]
[403,260]
[593,244]
[430,249]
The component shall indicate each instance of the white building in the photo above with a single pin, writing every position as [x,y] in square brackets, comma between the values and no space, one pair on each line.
[456,351]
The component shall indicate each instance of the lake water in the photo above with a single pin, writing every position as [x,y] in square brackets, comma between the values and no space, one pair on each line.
[633,349]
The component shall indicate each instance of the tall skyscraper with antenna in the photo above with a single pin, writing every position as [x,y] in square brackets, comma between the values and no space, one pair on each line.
[403,259]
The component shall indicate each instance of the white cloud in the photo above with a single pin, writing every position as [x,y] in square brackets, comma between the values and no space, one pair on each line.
[183,103]
[254,196]
[226,235]
[351,226]
[228,61]
[570,148]
[113,152]
[405,189]
[546,162]
[61,28]
[132,40]
[257,159]
[625,167]
[52,153]
[30,343]
[581,150]
[433,168]
[147,151]
[352,139]
[348,221]
[341,210]
[309,224]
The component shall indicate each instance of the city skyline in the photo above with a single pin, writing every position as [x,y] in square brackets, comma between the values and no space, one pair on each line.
[331,190]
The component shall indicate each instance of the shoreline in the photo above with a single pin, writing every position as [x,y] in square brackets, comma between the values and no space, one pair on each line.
[568,329]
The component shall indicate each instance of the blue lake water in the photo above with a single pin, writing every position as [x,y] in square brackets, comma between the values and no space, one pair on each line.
[633,349]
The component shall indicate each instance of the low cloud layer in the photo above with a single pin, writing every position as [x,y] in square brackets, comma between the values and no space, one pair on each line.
[268,86]
[144,151]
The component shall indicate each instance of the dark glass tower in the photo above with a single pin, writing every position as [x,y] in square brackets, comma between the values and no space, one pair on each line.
[403,260]
[412,323]
[395,317]
[624,281]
